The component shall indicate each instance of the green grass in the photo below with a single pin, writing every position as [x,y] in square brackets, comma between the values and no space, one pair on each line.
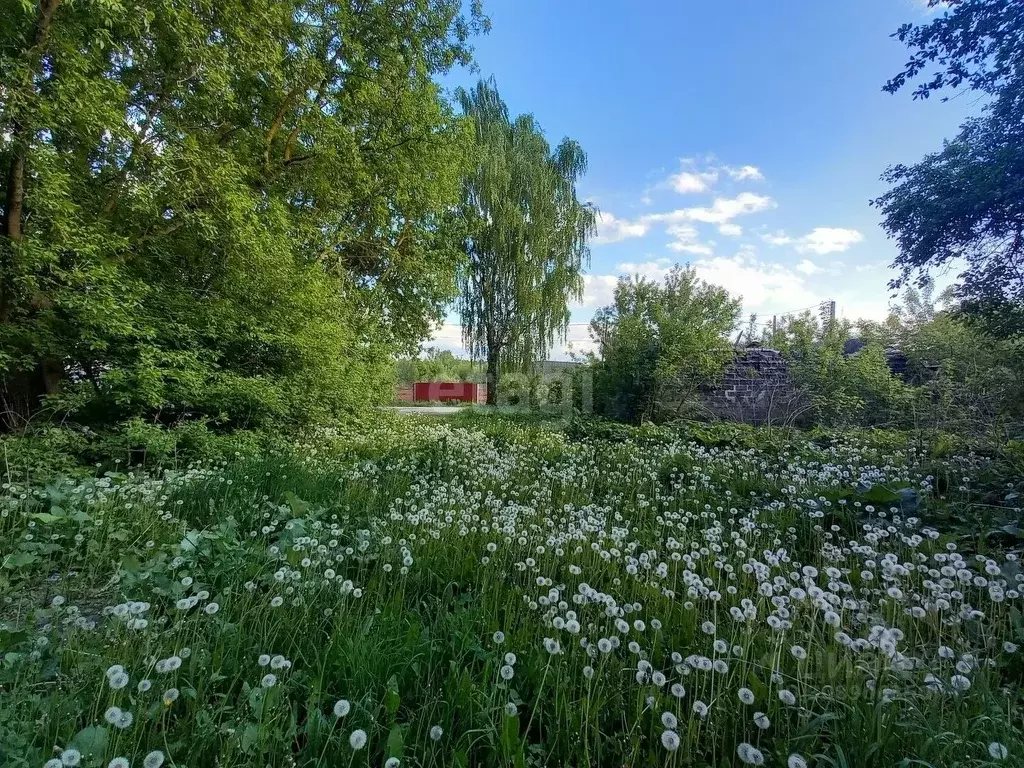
[377,564]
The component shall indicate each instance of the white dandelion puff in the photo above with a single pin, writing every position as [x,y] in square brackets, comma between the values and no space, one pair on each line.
[670,740]
[997,751]
[341,708]
[357,739]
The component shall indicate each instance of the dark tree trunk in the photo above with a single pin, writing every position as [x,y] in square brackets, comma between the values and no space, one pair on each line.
[492,377]
[21,391]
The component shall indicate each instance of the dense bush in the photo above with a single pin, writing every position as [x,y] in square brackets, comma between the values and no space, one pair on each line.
[659,343]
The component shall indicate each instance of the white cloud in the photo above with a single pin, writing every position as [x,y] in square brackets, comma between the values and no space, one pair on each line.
[746,172]
[828,240]
[447,336]
[724,209]
[611,229]
[765,287]
[870,266]
[686,240]
[778,237]
[687,182]
[808,267]
[598,291]
[652,270]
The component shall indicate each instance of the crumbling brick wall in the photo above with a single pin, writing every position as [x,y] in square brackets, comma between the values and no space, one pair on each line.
[755,388]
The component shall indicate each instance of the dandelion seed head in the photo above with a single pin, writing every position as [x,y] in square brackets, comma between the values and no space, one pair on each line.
[670,740]
[357,739]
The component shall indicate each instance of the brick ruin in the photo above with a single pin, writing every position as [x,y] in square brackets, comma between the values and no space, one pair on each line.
[754,388]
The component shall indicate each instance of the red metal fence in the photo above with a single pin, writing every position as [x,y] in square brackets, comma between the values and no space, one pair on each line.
[449,391]
[442,391]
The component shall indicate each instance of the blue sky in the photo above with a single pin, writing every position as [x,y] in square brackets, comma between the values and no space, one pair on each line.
[743,137]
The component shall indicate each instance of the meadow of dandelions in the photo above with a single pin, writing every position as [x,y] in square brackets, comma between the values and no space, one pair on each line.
[420,594]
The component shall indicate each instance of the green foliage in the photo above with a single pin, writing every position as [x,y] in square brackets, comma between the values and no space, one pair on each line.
[967,200]
[525,236]
[46,452]
[837,388]
[965,379]
[658,344]
[374,577]
[231,210]
[437,365]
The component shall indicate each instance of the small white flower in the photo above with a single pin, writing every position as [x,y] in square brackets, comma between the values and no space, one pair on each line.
[112,714]
[119,762]
[342,708]
[749,754]
[357,739]
[154,759]
[997,751]
[70,757]
[669,720]
[392,762]
[263,660]
[746,696]
[960,683]
[118,680]
[670,740]
[796,761]
[499,637]
[436,732]
[269,680]
[761,720]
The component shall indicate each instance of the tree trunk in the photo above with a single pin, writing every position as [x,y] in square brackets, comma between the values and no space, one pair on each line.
[492,377]
[20,391]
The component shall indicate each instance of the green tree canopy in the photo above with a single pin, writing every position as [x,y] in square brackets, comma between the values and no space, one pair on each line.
[659,342]
[525,239]
[966,202]
[227,207]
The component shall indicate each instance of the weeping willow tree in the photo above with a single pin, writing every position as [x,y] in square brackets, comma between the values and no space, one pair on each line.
[525,238]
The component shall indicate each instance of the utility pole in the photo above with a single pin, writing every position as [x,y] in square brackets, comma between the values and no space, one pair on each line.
[827,312]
